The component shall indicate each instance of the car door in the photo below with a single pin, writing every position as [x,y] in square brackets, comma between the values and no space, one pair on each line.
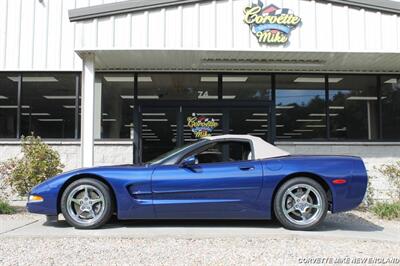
[217,189]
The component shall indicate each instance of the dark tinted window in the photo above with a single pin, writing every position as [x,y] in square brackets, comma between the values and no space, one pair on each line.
[225,152]
[116,105]
[48,105]
[251,121]
[246,87]
[8,105]
[300,107]
[353,107]
[177,87]
[391,107]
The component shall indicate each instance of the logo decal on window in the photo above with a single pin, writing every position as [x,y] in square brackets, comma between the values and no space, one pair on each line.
[201,126]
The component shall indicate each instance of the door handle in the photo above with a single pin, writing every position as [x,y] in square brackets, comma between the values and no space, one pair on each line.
[247,168]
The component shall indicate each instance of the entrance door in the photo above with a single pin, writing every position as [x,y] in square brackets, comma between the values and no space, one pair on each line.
[164,128]
[228,120]
[199,122]
[158,131]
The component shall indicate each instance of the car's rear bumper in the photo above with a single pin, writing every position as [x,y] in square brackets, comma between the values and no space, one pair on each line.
[350,195]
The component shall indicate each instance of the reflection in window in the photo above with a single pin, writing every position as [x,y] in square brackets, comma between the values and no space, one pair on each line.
[229,151]
[116,106]
[391,107]
[300,107]
[249,87]
[353,107]
[159,132]
[177,87]
[8,105]
[249,121]
[48,102]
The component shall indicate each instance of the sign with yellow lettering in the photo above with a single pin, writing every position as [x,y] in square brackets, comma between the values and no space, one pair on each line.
[269,23]
[201,126]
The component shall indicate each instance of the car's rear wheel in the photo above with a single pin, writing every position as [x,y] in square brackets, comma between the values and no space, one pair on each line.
[301,204]
[87,204]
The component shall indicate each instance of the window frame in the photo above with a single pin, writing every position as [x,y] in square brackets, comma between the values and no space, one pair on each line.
[214,142]
[20,75]
[328,137]
[271,102]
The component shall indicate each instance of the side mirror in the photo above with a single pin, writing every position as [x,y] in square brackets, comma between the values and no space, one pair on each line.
[189,161]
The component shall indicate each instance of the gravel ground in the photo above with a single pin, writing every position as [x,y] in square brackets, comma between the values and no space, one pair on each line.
[230,250]
[172,251]
[362,218]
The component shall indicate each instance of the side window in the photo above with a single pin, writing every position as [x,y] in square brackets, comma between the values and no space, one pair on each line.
[228,151]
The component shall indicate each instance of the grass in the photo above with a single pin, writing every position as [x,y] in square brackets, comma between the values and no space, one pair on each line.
[387,211]
[5,208]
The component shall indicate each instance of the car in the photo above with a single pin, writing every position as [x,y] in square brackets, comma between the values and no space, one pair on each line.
[238,177]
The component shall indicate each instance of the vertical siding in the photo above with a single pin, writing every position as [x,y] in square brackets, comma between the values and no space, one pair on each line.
[219,25]
[68,57]
[189,29]
[3,32]
[54,34]
[391,41]
[295,35]
[13,33]
[139,29]
[207,31]
[37,35]
[27,40]
[324,27]
[172,25]
[340,28]
[223,25]
[121,29]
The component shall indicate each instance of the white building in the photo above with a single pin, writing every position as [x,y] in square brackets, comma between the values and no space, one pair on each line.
[113,83]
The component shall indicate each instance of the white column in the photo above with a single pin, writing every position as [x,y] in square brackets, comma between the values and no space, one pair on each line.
[97,107]
[87,116]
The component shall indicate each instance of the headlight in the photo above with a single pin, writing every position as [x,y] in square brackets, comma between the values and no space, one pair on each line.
[35,198]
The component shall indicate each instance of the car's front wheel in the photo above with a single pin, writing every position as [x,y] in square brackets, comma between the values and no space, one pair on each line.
[87,204]
[301,204]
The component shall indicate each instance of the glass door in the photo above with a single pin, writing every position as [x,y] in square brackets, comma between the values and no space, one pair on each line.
[158,131]
[199,122]
[164,128]
[208,121]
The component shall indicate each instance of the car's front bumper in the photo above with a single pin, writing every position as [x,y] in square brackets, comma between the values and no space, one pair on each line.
[48,206]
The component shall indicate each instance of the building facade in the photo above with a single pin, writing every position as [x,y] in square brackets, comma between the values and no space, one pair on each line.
[115,82]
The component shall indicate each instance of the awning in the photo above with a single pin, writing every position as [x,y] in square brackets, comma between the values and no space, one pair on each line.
[183,60]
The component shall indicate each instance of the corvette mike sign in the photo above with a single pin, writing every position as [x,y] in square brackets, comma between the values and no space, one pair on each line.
[269,23]
[201,126]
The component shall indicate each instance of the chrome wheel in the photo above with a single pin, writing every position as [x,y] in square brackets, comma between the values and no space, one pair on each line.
[302,204]
[85,204]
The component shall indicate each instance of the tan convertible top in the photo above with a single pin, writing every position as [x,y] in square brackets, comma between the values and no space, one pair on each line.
[262,149]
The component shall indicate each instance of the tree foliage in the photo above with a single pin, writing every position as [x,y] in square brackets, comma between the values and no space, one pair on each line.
[38,163]
[392,172]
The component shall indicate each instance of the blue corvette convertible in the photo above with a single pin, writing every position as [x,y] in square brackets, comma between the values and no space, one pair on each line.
[222,177]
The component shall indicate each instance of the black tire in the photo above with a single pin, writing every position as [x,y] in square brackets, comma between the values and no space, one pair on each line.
[108,204]
[278,201]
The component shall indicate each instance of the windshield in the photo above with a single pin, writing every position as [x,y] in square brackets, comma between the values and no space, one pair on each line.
[160,159]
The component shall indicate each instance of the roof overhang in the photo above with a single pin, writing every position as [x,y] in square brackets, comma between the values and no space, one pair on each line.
[141,5]
[243,61]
